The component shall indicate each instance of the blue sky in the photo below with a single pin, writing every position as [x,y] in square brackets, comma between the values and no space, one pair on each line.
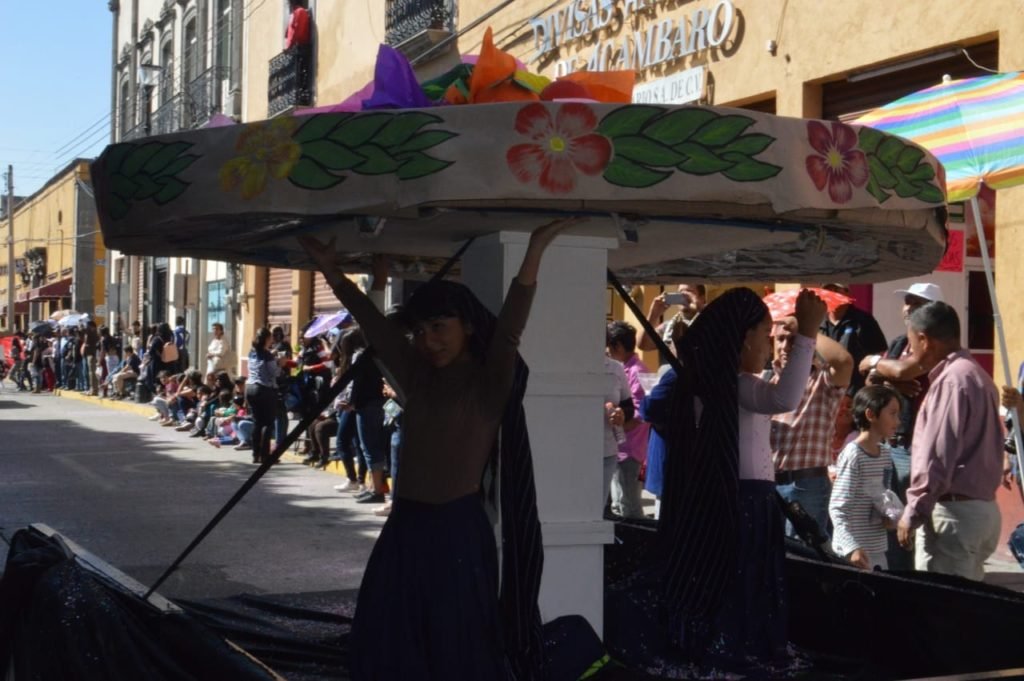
[55,86]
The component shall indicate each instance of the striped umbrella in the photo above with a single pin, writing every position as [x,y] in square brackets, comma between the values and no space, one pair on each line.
[975,127]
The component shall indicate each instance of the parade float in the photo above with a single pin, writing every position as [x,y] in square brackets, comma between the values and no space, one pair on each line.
[666,193]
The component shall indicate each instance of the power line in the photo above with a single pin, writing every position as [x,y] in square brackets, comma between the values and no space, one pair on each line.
[87,131]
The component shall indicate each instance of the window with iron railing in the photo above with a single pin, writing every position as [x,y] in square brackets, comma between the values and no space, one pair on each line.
[203,96]
[404,19]
[290,81]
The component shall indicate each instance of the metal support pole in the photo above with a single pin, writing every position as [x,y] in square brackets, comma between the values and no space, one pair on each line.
[10,248]
[997,319]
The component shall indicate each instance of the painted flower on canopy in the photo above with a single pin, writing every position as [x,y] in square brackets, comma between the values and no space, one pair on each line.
[266,150]
[838,163]
[559,147]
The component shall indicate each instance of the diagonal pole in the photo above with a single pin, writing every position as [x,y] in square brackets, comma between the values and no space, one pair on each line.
[279,449]
[997,319]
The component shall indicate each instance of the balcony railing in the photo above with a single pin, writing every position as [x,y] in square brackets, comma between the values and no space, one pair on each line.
[203,96]
[168,117]
[200,99]
[290,81]
[404,19]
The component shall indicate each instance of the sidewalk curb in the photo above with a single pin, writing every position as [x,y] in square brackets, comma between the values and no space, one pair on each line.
[145,410]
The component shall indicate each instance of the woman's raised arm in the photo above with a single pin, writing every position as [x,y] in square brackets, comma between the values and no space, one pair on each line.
[386,338]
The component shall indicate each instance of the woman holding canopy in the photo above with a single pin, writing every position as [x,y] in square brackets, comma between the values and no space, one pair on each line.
[429,606]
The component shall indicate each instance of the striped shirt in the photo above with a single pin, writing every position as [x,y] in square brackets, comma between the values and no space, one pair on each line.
[856,494]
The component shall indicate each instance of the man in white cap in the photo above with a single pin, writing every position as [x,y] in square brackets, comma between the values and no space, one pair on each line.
[898,368]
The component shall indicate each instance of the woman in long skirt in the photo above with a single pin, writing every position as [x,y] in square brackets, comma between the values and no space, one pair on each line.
[429,604]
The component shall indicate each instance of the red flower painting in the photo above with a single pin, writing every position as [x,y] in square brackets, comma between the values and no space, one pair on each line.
[839,164]
[559,148]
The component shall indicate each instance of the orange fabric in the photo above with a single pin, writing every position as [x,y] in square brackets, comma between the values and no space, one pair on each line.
[492,77]
[612,87]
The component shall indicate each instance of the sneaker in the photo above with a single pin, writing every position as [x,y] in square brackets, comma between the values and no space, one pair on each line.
[185,427]
[242,448]
[364,494]
[371,498]
[383,511]
[195,432]
[154,417]
[350,486]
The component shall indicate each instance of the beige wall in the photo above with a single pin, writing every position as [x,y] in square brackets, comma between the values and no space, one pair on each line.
[47,220]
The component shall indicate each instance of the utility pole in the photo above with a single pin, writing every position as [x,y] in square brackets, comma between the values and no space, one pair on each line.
[10,248]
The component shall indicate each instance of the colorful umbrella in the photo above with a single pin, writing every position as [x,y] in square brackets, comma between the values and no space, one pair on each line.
[975,127]
[321,324]
[783,303]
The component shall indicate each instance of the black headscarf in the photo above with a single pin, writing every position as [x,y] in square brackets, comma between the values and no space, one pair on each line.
[522,548]
[699,513]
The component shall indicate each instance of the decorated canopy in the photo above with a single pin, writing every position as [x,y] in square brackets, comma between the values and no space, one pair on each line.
[413,170]
[690,192]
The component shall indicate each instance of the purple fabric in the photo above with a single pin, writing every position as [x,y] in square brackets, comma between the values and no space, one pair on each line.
[635,446]
[395,84]
[399,88]
[351,103]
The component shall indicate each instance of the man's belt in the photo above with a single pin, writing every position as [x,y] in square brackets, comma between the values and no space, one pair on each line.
[955,497]
[786,477]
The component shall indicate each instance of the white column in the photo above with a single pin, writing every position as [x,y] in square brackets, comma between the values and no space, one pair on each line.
[564,348]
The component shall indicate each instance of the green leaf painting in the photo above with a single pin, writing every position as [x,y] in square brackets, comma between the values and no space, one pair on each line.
[378,143]
[650,143]
[897,167]
[146,171]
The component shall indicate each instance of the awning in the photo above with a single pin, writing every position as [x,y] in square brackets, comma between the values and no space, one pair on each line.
[19,308]
[58,289]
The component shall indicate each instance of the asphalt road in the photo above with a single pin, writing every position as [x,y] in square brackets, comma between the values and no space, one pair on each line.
[135,494]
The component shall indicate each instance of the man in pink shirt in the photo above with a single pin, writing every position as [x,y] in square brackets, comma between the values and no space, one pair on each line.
[620,342]
[957,459]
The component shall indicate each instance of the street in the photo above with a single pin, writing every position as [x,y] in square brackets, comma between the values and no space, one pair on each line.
[135,494]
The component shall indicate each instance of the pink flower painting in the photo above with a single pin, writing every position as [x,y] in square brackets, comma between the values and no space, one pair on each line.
[838,163]
[559,148]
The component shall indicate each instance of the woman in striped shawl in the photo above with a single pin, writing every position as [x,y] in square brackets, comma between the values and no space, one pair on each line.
[429,605]
[717,573]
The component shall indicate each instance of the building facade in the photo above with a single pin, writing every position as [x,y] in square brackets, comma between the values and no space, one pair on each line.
[176,65]
[59,257]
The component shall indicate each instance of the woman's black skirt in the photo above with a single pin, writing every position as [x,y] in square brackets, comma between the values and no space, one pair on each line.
[428,604]
[749,626]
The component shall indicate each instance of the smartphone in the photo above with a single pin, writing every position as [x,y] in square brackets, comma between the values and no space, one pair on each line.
[677,299]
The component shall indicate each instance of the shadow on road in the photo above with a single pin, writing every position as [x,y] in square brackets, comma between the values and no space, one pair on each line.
[136,499]
[8,404]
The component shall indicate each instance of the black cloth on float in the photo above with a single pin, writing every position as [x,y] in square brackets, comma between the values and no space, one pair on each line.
[303,637]
[59,620]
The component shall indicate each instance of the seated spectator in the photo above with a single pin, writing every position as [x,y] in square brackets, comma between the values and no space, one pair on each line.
[198,418]
[166,387]
[223,421]
[127,369]
[184,399]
